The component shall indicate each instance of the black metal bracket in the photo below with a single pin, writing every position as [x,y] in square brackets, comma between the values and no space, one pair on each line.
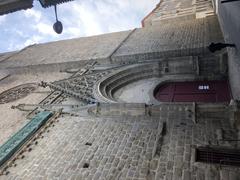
[227,1]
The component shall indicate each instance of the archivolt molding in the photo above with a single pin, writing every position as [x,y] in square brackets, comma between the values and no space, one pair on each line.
[166,71]
[101,85]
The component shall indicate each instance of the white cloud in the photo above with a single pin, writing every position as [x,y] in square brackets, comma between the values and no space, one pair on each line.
[79,18]
[17,46]
[73,32]
[20,33]
[89,19]
[45,29]
[2,19]
[31,13]
[144,5]
[34,40]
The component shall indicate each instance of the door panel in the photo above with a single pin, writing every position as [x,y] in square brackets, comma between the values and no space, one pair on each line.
[197,91]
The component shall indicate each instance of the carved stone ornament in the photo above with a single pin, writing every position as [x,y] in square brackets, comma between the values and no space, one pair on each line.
[17,92]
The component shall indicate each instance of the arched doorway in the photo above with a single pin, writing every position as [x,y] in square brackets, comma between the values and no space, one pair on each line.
[196,91]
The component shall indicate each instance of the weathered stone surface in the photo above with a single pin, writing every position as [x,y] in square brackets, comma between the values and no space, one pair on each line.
[228,14]
[86,48]
[167,11]
[11,120]
[190,38]
[16,141]
[113,151]
[4,56]
[122,140]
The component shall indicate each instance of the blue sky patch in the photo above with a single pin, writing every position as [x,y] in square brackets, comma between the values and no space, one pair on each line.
[79,18]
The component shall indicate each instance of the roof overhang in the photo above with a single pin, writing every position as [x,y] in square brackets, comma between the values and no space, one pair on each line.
[8,6]
[48,3]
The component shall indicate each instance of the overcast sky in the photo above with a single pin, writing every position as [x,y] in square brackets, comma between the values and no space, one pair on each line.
[79,18]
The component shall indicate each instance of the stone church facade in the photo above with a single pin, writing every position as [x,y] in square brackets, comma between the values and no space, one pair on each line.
[149,103]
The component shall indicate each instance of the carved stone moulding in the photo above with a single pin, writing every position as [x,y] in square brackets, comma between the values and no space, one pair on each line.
[17,92]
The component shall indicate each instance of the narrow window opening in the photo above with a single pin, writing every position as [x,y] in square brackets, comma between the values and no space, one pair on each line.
[222,156]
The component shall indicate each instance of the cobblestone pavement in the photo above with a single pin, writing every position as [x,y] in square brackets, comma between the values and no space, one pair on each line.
[127,147]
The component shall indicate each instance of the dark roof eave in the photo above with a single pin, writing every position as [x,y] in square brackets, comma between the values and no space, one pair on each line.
[14,6]
[48,3]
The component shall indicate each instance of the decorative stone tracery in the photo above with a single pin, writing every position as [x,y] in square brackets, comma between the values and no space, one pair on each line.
[17,92]
[94,83]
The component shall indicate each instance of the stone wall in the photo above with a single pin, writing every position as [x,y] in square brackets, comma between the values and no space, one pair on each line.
[154,146]
[74,50]
[12,120]
[178,10]
[228,14]
[162,41]
[129,140]
[190,38]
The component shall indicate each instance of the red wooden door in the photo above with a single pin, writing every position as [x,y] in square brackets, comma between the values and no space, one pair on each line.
[197,91]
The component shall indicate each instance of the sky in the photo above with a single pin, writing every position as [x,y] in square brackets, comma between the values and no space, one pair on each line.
[80,18]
